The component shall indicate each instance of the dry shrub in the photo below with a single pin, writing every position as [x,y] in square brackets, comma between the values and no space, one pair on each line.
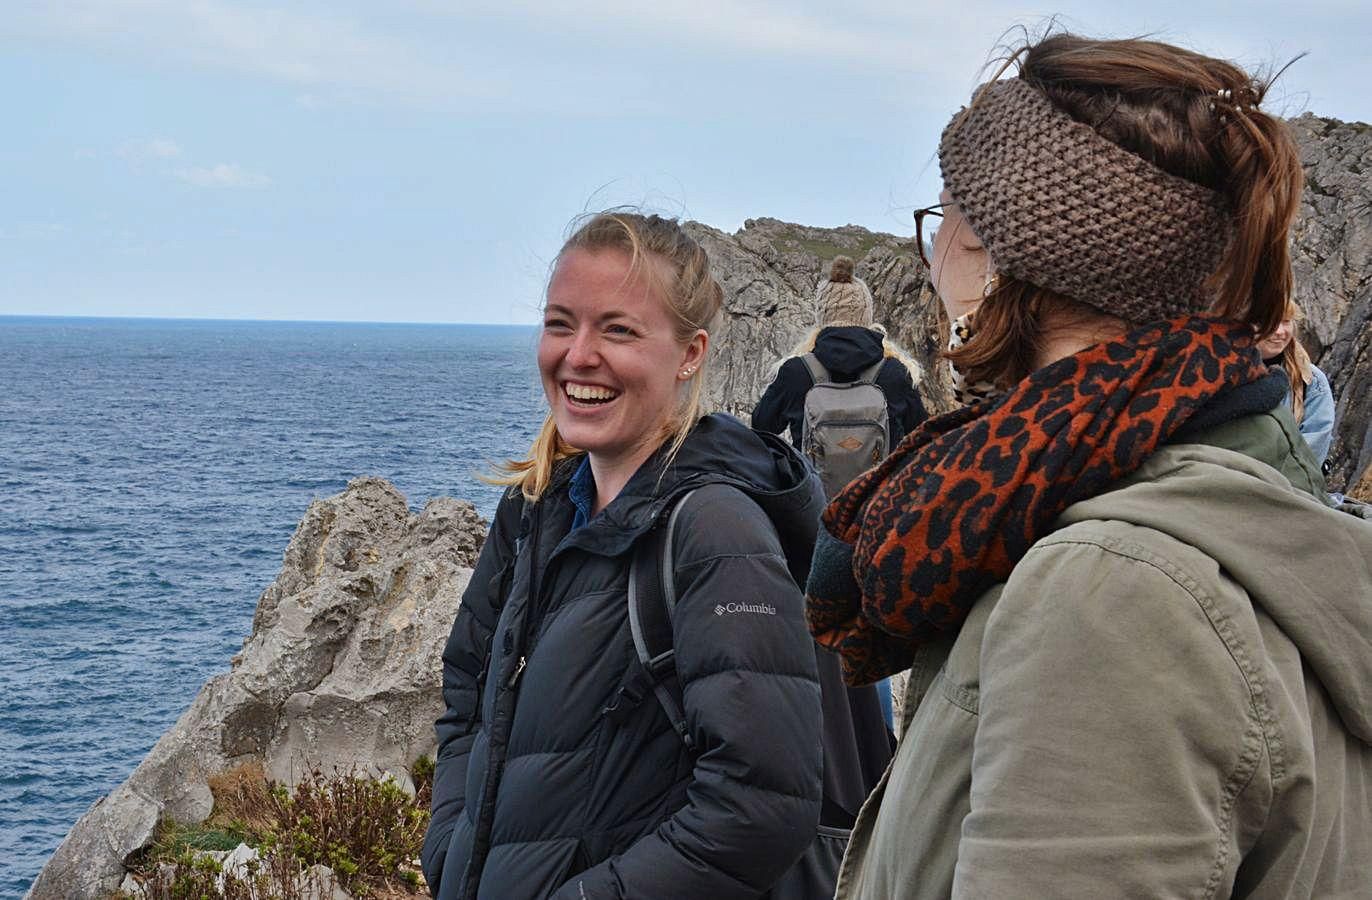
[1363,489]
[242,795]
[422,773]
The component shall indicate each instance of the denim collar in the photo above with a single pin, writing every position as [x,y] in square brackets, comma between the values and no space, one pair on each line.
[581,490]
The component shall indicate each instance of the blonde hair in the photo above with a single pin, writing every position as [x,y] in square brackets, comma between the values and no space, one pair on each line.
[1295,361]
[678,270]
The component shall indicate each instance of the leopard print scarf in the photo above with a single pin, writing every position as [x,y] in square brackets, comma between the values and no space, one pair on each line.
[908,547]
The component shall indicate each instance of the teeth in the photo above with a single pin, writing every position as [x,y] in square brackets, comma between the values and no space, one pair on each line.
[589,392]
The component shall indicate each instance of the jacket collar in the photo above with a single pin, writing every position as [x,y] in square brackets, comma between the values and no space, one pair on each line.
[719,450]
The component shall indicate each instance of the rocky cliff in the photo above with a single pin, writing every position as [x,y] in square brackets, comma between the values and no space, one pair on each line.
[1333,267]
[769,271]
[342,666]
[340,671]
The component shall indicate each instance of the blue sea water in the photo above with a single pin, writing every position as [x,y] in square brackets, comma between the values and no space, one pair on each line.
[152,472]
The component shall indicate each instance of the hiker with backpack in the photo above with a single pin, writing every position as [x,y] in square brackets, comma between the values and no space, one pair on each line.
[633,706]
[846,396]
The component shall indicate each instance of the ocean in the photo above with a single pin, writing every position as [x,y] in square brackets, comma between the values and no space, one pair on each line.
[152,473]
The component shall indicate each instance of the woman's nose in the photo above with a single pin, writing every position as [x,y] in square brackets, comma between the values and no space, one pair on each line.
[584,352]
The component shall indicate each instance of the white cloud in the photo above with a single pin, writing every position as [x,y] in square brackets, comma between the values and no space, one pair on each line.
[160,154]
[317,47]
[148,149]
[579,56]
[223,175]
[436,51]
[819,32]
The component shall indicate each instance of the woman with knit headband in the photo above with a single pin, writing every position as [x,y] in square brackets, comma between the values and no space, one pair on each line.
[1124,679]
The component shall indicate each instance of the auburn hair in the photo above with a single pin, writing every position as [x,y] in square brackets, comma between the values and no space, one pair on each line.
[676,270]
[1191,115]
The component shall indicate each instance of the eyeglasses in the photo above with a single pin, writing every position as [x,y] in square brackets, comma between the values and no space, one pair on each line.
[920,214]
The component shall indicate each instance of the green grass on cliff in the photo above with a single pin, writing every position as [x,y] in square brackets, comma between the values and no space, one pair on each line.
[367,832]
[826,250]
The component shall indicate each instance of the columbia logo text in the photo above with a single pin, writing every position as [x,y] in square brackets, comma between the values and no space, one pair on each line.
[761,608]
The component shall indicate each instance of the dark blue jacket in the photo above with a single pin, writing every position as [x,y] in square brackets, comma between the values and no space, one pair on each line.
[538,793]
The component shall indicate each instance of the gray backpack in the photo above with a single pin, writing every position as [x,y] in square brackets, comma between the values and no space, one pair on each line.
[847,429]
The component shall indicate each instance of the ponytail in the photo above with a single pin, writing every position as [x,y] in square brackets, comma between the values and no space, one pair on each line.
[1264,180]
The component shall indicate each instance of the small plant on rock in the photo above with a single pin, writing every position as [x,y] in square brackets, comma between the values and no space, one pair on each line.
[361,828]
[367,832]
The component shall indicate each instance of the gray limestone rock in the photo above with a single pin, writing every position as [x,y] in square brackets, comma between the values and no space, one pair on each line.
[341,671]
[1332,248]
[770,269]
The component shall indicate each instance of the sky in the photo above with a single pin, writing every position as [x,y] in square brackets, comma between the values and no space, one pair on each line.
[420,161]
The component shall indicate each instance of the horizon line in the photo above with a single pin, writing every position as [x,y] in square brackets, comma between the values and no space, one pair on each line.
[212,319]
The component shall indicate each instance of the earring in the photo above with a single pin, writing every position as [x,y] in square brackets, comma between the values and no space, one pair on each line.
[992,285]
[687,373]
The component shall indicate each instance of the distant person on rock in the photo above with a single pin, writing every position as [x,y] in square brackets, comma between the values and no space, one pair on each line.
[1139,636]
[845,346]
[845,383]
[1309,398]
[633,700]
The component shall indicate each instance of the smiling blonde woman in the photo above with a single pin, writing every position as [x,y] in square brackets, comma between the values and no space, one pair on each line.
[559,773]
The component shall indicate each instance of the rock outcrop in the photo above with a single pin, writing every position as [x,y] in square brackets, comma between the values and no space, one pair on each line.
[341,671]
[769,270]
[1333,267]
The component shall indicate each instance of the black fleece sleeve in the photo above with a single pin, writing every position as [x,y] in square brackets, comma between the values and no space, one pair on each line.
[783,403]
[465,658]
[752,701]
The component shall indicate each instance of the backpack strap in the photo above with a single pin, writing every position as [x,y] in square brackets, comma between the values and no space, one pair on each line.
[652,601]
[818,374]
[869,374]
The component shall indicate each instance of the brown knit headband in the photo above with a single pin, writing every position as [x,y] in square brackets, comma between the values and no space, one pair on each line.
[1060,206]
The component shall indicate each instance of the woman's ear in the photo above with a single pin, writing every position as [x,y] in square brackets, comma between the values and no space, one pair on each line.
[696,348]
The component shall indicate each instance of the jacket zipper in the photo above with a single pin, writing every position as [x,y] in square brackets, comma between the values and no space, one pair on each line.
[496,767]
[518,670]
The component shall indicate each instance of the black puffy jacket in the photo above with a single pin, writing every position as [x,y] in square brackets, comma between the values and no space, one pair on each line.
[845,351]
[537,792]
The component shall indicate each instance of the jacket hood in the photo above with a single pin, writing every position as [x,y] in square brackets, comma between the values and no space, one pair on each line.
[846,351]
[719,450]
[1307,565]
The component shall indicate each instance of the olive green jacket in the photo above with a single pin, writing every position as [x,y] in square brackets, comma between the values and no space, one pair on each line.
[1170,696]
